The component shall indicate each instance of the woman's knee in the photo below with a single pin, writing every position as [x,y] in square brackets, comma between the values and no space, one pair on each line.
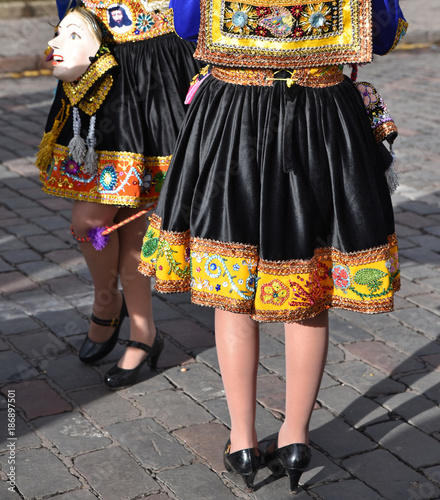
[86,216]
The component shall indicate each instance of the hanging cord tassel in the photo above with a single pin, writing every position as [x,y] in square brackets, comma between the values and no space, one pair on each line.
[354,72]
[91,159]
[77,147]
[392,177]
[47,145]
[98,236]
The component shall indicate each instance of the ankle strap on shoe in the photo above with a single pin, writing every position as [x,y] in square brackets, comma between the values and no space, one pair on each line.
[141,345]
[105,322]
[138,345]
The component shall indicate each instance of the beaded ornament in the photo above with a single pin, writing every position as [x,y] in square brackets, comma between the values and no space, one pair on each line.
[290,34]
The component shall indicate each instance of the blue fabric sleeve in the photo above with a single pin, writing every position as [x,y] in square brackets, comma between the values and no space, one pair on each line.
[63,6]
[389,25]
[186,18]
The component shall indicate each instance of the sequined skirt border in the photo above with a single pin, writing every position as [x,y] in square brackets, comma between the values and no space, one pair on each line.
[232,277]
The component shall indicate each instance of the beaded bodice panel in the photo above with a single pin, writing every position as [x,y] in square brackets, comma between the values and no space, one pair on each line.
[90,91]
[285,33]
[132,20]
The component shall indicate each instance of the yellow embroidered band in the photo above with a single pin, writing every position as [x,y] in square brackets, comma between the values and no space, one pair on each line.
[232,277]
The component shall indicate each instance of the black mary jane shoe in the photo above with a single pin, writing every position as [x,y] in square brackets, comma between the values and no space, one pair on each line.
[91,351]
[243,462]
[119,378]
[292,460]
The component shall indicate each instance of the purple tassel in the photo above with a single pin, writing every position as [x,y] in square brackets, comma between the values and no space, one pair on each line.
[99,240]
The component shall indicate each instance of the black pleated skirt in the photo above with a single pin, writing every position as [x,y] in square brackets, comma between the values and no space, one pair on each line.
[276,204]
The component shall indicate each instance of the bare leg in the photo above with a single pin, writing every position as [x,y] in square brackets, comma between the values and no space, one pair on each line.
[237,341]
[137,288]
[306,353]
[103,265]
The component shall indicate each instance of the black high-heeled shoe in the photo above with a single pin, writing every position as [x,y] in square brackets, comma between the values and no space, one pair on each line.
[91,351]
[244,462]
[291,460]
[119,378]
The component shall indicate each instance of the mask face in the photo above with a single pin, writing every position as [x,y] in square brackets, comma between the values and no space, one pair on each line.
[73,45]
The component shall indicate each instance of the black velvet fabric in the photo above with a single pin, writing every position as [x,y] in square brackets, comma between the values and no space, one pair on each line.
[287,169]
[145,107]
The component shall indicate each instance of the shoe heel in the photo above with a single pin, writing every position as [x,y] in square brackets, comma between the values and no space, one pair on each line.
[291,460]
[249,481]
[294,477]
[245,463]
[153,361]
[156,351]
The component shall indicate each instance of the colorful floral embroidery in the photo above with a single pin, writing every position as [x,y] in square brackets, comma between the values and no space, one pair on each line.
[123,178]
[218,267]
[231,276]
[296,34]
[145,22]
[240,18]
[108,178]
[158,181]
[368,93]
[316,19]
[281,22]
[297,11]
[274,293]
[392,264]
[310,291]
[70,167]
[380,119]
[166,251]
[341,277]
[372,278]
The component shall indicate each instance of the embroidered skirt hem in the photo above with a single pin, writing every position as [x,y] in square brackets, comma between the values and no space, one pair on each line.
[122,178]
[232,277]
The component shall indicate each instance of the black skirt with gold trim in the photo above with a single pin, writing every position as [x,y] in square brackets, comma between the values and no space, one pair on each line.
[136,125]
[276,202]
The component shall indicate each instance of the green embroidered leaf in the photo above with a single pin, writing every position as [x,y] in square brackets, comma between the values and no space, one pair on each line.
[158,180]
[149,247]
[368,276]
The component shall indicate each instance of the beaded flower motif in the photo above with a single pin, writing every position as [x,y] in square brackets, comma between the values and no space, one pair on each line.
[274,292]
[316,19]
[369,94]
[108,178]
[240,18]
[145,22]
[71,167]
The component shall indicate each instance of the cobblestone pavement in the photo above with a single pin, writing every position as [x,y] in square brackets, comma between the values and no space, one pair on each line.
[375,432]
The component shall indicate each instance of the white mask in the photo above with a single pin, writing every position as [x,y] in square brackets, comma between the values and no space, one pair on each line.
[73,46]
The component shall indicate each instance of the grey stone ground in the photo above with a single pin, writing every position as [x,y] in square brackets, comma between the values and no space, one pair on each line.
[375,432]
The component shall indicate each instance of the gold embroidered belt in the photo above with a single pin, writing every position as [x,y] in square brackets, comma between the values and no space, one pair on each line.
[307,77]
